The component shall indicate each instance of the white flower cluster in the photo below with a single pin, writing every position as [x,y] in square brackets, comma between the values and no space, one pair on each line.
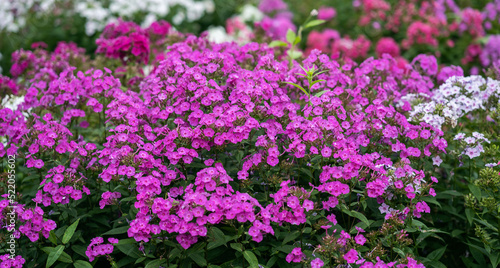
[474,146]
[237,28]
[98,16]
[13,13]
[456,97]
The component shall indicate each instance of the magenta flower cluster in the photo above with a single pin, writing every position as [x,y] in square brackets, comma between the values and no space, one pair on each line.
[165,138]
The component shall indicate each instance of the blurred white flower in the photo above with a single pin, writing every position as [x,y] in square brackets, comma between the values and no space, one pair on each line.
[218,35]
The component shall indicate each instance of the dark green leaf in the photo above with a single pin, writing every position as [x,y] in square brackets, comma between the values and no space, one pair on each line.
[53,238]
[470,214]
[251,258]
[436,254]
[54,255]
[129,248]
[82,264]
[68,234]
[475,191]
[155,263]
[199,259]
[237,246]
[119,230]
[291,236]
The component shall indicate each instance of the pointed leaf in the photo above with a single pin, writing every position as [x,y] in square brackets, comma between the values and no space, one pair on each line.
[294,54]
[251,258]
[82,264]
[314,23]
[68,234]
[290,36]
[436,254]
[291,236]
[297,40]
[278,43]
[200,260]
[317,81]
[475,191]
[54,255]
[155,264]
[237,246]
[119,230]
[301,88]
[470,214]
[53,238]
[319,94]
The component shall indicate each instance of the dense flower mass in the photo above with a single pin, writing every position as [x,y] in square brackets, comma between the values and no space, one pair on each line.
[169,149]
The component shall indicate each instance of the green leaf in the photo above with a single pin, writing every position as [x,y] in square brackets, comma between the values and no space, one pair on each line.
[308,172]
[53,238]
[437,254]
[483,40]
[237,246]
[432,200]
[174,253]
[82,264]
[294,54]
[477,253]
[297,86]
[359,216]
[317,81]
[456,232]
[80,250]
[314,23]
[319,94]
[291,236]
[65,258]
[494,258]
[119,230]
[475,191]
[54,255]
[200,260]
[297,40]
[271,261]
[448,192]
[220,239]
[155,263]
[399,251]
[128,247]
[251,258]
[437,264]
[290,36]
[278,43]
[68,234]
[470,214]
[487,224]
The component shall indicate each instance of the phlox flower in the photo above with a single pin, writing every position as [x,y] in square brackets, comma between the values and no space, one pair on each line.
[351,256]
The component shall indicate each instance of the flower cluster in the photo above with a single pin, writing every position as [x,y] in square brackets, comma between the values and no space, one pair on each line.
[456,97]
[97,247]
[295,256]
[32,220]
[129,42]
[16,262]
[473,145]
[234,136]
